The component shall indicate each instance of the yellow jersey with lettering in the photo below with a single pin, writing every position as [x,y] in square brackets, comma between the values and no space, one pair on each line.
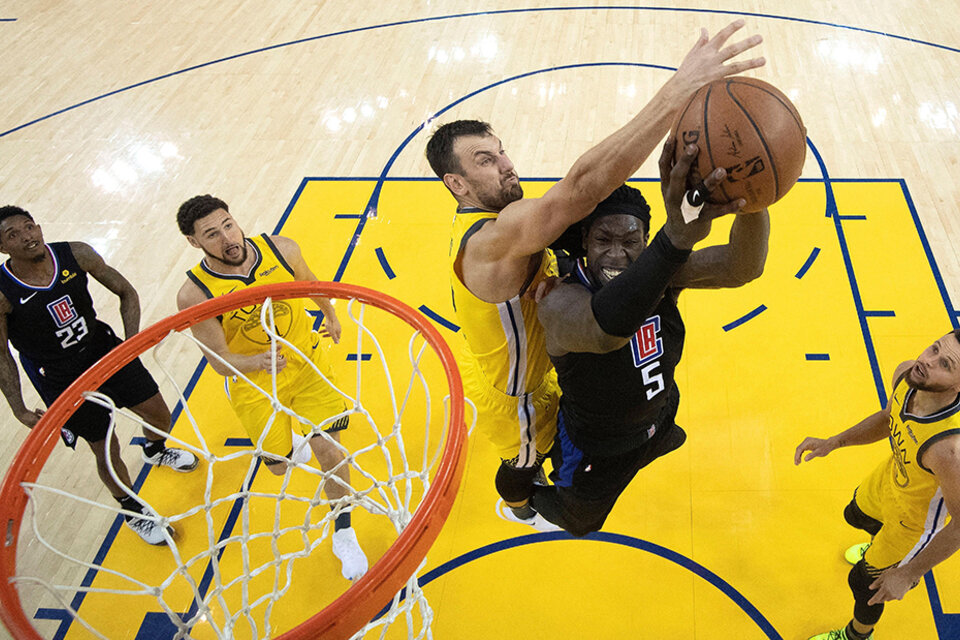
[241,327]
[503,356]
[901,492]
[298,387]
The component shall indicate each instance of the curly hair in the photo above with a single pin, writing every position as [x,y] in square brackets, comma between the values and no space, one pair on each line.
[195,208]
[624,199]
[8,211]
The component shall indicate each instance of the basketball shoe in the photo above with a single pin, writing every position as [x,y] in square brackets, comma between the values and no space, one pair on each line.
[149,531]
[856,552]
[347,549]
[538,522]
[836,634]
[177,459]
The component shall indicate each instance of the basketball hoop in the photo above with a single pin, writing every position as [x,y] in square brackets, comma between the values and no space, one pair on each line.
[417,526]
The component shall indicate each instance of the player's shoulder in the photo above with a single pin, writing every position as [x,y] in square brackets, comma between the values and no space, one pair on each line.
[284,244]
[189,294]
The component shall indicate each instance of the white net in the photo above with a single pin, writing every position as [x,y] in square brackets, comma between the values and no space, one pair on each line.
[248,552]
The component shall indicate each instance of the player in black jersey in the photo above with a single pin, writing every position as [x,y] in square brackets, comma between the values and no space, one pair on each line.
[47,314]
[615,335]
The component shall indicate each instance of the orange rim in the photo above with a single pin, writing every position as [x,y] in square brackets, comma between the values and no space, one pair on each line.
[366,597]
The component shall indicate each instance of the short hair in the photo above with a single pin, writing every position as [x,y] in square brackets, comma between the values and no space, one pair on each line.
[956,334]
[625,199]
[195,208]
[440,153]
[8,211]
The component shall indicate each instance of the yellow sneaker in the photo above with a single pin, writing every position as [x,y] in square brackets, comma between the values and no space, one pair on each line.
[854,554]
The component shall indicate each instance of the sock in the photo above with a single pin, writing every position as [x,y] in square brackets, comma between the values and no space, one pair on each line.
[129,504]
[852,633]
[342,522]
[153,447]
[525,512]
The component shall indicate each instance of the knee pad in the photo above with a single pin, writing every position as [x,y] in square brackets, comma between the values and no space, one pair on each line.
[860,580]
[515,484]
[858,519]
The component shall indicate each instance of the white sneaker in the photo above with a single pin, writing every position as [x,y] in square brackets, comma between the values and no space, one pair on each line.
[177,459]
[538,522]
[301,454]
[150,531]
[347,549]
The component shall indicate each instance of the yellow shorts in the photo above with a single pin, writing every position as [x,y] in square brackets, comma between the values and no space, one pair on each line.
[300,389]
[518,426]
[902,535]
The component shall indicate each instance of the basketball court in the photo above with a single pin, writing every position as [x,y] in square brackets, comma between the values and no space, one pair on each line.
[310,122]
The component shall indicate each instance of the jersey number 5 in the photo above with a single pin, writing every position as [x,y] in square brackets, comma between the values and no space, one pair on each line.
[651,379]
[73,333]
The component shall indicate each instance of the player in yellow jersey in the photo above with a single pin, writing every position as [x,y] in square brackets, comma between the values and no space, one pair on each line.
[499,253]
[905,502]
[238,343]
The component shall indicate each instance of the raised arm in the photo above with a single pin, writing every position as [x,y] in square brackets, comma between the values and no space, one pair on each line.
[291,252]
[943,459]
[496,259]
[733,264]
[91,262]
[577,321]
[873,428]
[10,376]
[211,336]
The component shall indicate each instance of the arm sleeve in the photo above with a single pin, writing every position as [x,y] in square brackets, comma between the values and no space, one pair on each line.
[623,304]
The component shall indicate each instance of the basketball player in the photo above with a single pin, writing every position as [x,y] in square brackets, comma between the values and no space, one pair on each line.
[615,335]
[237,341]
[904,503]
[498,253]
[47,315]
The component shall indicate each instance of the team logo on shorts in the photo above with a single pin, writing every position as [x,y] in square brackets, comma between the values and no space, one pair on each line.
[63,311]
[646,344]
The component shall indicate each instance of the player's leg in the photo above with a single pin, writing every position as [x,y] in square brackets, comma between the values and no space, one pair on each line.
[134,387]
[148,530]
[318,401]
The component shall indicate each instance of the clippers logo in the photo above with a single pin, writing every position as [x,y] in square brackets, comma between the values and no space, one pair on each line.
[647,344]
[63,311]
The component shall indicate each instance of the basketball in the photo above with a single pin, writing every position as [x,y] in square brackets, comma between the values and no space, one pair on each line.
[751,129]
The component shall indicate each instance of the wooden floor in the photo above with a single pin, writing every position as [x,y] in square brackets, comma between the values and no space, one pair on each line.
[302,115]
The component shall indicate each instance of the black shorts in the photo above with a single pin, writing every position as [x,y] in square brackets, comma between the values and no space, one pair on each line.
[130,386]
[588,485]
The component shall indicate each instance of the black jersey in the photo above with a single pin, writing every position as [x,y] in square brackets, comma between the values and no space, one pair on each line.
[56,322]
[610,400]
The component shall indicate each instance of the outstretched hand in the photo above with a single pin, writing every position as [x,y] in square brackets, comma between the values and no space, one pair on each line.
[705,61]
[817,448]
[673,184]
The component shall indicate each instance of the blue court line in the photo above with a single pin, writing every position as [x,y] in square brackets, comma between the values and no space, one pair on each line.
[398,23]
[852,217]
[352,357]
[612,538]
[880,314]
[806,265]
[293,201]
[101,555]
[371,209]
[818,356]
[383,263]
[238,442]
[436,317]
[749,316]
[948,305]
[347,216]
[8,19]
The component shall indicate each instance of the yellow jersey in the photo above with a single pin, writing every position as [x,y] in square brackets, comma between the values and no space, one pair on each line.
[505,339]
[241,327]
[911,485]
